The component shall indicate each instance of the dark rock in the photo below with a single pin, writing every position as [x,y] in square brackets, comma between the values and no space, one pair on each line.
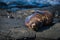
[51,33]
[14,28]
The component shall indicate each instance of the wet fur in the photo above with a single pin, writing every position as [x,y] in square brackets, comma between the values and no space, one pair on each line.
[45,18]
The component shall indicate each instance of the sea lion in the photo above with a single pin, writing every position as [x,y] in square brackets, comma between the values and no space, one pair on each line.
[38,19]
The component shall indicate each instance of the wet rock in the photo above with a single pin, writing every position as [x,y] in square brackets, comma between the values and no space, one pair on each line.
[4,13]
[14,25]
[51,33]
[18,33]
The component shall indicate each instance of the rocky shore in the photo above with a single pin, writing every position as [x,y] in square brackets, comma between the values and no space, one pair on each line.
[12,25]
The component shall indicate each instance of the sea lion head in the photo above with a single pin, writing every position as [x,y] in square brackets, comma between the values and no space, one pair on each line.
[34,21]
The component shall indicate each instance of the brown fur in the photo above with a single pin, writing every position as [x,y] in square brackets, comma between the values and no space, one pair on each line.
[44,18]
[48,17]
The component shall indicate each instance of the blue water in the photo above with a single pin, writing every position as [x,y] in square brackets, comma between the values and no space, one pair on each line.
[12,4]
[37,1]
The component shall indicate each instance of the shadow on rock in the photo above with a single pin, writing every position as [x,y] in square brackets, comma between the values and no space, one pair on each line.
[40,29]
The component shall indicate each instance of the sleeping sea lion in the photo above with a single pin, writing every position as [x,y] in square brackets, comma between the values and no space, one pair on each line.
[38,19]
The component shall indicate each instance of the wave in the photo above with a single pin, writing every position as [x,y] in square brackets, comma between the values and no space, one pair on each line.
[18,4]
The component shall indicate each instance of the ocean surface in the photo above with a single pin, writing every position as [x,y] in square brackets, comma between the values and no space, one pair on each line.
[14,5]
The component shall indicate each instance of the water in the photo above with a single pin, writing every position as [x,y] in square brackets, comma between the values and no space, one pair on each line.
[14,5]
